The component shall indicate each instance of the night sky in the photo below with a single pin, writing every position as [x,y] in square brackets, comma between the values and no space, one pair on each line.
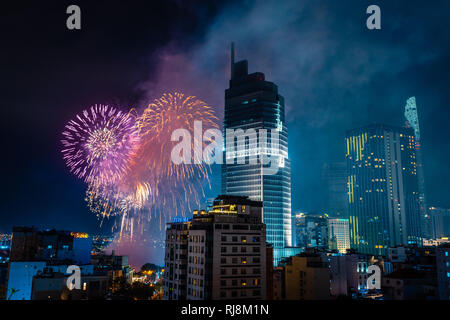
[334,73]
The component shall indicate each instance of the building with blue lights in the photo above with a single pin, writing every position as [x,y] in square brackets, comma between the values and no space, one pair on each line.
[253,104]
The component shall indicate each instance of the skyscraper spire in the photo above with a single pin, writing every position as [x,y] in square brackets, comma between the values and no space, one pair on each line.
[412,117]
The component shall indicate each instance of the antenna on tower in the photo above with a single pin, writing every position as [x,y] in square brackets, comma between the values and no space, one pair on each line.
[232,59]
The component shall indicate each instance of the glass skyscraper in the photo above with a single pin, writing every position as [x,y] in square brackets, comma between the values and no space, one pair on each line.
[412,119]
[252,103]
[383,192]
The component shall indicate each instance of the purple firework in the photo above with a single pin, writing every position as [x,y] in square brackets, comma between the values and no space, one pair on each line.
[98,144]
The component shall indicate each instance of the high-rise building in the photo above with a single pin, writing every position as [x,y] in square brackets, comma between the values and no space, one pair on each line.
[412,120]
[382,188]
[334,179]
[175,277]
[440,222]
[223,253]
[253,105]
[338,235]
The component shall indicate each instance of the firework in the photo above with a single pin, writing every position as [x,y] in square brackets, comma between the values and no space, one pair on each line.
[155,127]
[126,160]
[98,144]
[154,182]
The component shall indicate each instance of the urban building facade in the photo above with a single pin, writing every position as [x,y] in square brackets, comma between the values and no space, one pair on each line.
[175,277]
[224,253]
[440,222]
[311,230]
[383,192]
[305,277]
[338,235]
[253,105]
[443,271]
[412,121]
[334,180]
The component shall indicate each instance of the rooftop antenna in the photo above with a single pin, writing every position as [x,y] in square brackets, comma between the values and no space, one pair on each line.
[232,59]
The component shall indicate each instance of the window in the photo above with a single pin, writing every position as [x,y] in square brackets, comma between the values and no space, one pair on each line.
[243,249]
[223,260]
[223,249]
[223,294]
[235,239]
[255,239]
[223,271]
[256,271]
[234,249]
[243,260]
[243,239]
[234,282]
[223,238]
[223,283]
[234,271]
[255,249]
[234,294]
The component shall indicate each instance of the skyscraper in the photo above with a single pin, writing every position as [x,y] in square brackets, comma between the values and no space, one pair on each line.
[412,120]
[382,188]
[254,104]
[334,177]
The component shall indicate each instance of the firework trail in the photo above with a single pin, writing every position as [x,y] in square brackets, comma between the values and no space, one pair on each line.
[98,143]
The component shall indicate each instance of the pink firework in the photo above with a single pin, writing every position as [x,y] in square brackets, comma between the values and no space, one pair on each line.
[98,143]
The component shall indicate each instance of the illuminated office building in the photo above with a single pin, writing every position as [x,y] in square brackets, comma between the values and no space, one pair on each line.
[382,188]
[252,103]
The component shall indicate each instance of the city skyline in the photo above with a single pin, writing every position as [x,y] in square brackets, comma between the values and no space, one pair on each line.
[38,191]
[145,160]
